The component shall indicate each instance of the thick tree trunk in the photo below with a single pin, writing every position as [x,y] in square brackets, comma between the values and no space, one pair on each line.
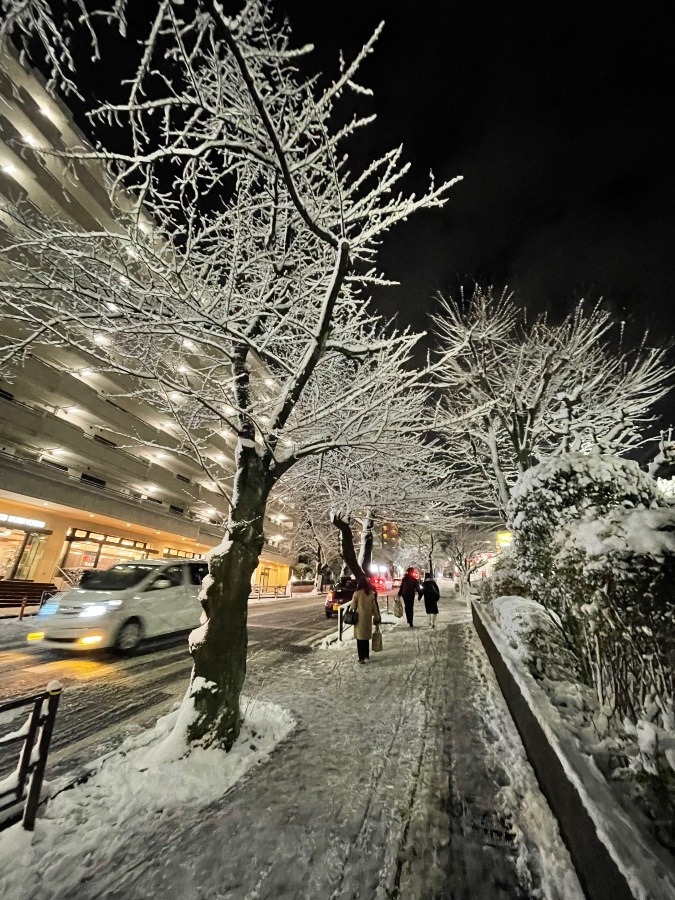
[220,658]
[318,571]
[347,550]
[366,549]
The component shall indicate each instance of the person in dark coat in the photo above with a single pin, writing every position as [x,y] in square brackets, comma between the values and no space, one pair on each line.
[431,593]
[409,589]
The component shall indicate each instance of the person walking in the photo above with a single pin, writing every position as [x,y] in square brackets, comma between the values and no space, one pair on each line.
[409,589]
[431,593]
[364,604]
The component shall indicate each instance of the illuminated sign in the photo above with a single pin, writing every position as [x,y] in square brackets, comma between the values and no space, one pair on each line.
[19,520]
[504,538]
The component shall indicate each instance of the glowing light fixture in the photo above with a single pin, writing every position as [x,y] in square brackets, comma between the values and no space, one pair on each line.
[90,639]
[35,636]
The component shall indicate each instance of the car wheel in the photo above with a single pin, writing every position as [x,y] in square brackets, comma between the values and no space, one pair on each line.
[129,636]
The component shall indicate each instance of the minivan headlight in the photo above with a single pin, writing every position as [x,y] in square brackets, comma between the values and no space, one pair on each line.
[90,611]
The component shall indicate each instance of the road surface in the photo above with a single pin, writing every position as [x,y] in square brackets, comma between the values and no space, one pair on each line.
[106,696]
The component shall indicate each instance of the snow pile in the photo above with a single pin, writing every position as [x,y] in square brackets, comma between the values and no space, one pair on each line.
[149,779]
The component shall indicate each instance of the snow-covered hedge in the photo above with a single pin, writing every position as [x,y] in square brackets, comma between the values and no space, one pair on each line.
[594,546]
[560,490]
[506,580]
[618,573]
[637,759]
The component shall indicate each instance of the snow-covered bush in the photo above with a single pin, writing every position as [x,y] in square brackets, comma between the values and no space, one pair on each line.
[617,573]
[640,756]
[562,489]
[506,580]
[536,635]
[595,546]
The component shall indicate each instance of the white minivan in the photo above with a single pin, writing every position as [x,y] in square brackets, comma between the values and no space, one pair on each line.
[123,605]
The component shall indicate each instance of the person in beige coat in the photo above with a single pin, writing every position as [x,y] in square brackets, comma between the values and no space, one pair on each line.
[364,603]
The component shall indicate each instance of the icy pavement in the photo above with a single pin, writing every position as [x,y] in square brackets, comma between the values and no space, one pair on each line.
[404,778]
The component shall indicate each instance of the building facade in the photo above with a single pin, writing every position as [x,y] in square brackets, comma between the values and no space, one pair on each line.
[75,492]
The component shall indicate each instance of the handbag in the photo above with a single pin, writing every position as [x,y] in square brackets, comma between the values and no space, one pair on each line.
[398,608]
[350,616]
[377,640]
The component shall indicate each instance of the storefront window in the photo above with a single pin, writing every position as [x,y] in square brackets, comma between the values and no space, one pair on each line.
[89,550]
[171,553]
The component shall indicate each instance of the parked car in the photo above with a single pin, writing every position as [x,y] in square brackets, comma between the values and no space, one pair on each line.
[341,593]
[123,605]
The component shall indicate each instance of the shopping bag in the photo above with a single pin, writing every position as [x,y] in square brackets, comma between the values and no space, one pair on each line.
[377,641]
[398,608]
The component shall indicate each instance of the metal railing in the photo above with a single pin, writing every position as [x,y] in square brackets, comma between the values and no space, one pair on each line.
[23,787]
[258,591]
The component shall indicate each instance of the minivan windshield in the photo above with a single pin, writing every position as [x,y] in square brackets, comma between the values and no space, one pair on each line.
[119,578]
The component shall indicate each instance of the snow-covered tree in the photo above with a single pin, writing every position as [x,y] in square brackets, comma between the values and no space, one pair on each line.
[231,292]
[359,489]
[466,547]
[516,391]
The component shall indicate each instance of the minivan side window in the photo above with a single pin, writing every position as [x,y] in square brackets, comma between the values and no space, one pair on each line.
[197,572]
[174,574]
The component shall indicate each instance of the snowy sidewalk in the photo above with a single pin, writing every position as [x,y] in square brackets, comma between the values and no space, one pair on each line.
[404,778]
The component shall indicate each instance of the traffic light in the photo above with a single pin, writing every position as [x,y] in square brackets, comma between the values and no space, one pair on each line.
[389,534]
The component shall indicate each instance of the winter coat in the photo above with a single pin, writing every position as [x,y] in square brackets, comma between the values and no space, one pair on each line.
[431,594]
[367,610]
[410,588]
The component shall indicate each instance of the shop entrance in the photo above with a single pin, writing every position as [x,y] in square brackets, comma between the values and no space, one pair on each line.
[20,553]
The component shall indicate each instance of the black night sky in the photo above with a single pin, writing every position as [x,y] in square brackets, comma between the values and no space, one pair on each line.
[557,116]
